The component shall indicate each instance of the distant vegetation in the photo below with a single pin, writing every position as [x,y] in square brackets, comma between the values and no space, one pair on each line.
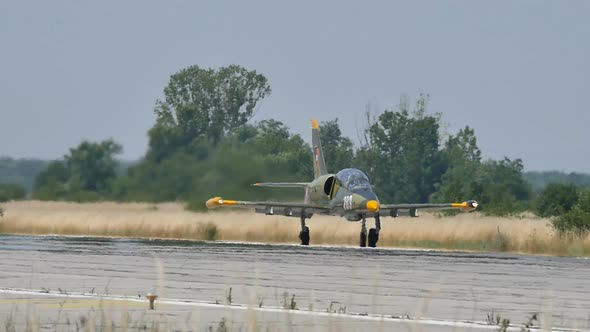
[203,143]
[11,191]
[21,172]
[539,180]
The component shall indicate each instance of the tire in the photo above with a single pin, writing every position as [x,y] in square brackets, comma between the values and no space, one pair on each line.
[363,240]
[304,236]
[373,237]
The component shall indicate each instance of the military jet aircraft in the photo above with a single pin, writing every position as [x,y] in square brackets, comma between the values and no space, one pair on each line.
[347,194]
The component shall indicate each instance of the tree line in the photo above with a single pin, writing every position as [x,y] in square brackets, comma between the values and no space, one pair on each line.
[203,143]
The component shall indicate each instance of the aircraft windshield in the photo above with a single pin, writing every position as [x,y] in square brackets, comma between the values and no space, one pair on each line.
[353,179]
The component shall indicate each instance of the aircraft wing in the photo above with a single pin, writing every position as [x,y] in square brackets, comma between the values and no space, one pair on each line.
[395,210]
[271,208]
[282,184]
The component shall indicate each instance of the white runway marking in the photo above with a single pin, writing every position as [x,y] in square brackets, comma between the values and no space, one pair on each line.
[201,304]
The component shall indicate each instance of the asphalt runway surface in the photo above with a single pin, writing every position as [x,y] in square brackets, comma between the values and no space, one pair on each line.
[382,289]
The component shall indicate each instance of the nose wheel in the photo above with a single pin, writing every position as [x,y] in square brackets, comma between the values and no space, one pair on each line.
[373,236]
[304,234]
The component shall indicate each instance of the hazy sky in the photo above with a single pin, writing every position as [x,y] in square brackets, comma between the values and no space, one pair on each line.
[518,72]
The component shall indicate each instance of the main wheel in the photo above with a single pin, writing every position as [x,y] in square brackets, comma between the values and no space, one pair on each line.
[304,236]
[363,239]
[373,237]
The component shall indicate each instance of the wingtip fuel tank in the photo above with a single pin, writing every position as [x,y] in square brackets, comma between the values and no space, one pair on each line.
[467,205]
[213,203]
[216,202]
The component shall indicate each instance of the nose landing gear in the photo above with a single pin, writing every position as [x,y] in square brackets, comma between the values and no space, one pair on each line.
[373,236]
[374,232]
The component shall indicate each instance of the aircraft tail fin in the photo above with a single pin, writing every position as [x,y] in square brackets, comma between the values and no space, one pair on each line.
[319,164]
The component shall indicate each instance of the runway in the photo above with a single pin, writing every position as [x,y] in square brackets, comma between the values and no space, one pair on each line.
[413,289]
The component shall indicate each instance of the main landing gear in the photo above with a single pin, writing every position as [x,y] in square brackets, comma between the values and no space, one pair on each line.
[373,236]
[363,233]
[304,234]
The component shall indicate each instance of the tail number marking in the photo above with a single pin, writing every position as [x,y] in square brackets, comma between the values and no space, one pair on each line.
[347,202]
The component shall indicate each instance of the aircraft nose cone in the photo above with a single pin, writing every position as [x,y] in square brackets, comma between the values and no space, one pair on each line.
[373,205]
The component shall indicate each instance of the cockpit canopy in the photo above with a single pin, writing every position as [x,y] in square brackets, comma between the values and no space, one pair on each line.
[352,178]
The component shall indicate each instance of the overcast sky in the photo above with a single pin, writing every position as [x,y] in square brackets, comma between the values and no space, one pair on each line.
[518,72]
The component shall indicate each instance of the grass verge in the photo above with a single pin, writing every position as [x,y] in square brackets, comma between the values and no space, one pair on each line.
[467,231]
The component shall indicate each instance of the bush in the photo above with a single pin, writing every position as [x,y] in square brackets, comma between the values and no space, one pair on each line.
[577,220]
[556,199]
[11,191]
[208,231]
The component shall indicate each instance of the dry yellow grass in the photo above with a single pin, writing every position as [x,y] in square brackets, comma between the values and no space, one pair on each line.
[468,231]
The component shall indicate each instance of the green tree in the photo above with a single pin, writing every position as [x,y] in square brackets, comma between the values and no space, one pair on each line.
[269,137]
[204,105]
[11,191]
[402,153]
[338,150]
[168,180]
[50,184]
[556,199]
[287,151]
[266,151]
[463,159]
[84,174]
[92,165]
[501,188]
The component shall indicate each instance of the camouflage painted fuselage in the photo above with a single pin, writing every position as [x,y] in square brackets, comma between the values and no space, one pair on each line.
[347,193]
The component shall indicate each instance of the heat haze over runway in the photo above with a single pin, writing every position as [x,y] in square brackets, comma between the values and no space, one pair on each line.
[399,285]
